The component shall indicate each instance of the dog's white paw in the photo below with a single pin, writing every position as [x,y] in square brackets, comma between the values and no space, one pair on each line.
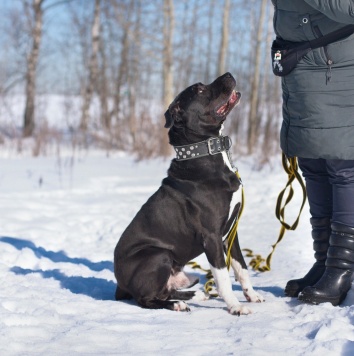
[239,309]
[181,306]
[200,296]
[253,296]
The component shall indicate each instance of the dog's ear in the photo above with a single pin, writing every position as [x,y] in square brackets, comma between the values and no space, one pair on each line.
[169,119]
[172,114]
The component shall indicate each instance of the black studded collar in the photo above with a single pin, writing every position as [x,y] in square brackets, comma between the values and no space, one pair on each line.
[211,146]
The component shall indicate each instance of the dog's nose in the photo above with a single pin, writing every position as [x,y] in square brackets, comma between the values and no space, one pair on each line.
[229,78]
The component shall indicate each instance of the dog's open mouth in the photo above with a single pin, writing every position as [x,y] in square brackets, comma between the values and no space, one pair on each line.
[233,100]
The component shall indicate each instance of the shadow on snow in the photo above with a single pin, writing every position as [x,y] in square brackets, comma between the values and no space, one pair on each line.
[93,287]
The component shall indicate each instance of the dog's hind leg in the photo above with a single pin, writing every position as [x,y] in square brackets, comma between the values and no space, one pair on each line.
[151,270]
[157,303]
[166,304]
[239,266]
[182,295]
[188,295]
[121,294]
[180,280]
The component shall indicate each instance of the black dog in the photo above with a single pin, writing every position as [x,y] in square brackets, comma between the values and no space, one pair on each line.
[192,210]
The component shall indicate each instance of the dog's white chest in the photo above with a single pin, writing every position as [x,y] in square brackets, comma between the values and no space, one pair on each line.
[236,196]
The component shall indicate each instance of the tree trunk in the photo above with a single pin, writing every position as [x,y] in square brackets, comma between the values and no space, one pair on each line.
[32,61]
[224,38]
[133,78]
[208,64]
[168,27]
[93,68]
[253,119]
[103,90]
[268,101]
[186,56]
[123,68]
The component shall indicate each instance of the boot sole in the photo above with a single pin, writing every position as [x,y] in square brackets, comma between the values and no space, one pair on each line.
[318,300]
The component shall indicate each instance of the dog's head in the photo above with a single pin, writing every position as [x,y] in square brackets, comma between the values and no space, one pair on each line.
[199,111]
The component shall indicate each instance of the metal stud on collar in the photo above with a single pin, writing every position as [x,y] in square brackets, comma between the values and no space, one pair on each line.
[212,146]
[185,152]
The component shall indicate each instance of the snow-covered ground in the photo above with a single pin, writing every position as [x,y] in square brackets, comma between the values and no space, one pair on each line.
[61,217]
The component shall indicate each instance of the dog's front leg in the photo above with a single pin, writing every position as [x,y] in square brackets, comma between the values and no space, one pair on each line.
[223,286]
[241,273]
[215,255]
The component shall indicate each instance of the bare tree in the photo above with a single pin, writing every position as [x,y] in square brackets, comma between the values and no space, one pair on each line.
[133,78]
[130,53]
[270,102]
[184,50]
[36,23]
[122,15]
[224,38]
[14,51]
[168,28]
[104,89]
[93,67]
[253,119]
[34,15]
[208,56]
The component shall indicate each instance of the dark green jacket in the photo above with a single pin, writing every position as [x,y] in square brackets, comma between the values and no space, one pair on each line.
[318,97]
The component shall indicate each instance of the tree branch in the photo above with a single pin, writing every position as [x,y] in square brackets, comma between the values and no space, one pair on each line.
[59,2]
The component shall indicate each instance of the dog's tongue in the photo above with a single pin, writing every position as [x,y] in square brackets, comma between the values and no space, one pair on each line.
[233,97]
[231,100]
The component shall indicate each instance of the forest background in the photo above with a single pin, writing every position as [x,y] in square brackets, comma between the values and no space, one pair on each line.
[102,72]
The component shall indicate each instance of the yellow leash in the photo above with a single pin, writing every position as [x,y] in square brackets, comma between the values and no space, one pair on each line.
[291,168]
[210,283]
[208,286]
[233,232]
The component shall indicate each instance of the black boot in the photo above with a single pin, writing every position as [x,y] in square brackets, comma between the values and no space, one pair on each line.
[321,231]
[337,278]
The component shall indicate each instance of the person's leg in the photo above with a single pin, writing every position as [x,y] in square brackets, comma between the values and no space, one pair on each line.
[319,192]
[341,177]
[318,187]
[337,278]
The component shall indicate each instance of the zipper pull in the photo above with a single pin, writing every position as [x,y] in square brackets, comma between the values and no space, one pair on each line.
[329,71]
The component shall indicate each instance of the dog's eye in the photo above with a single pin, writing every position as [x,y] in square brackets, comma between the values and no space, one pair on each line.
[199,88]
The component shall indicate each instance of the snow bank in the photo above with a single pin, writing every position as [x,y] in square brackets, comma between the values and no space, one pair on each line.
[60,221]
